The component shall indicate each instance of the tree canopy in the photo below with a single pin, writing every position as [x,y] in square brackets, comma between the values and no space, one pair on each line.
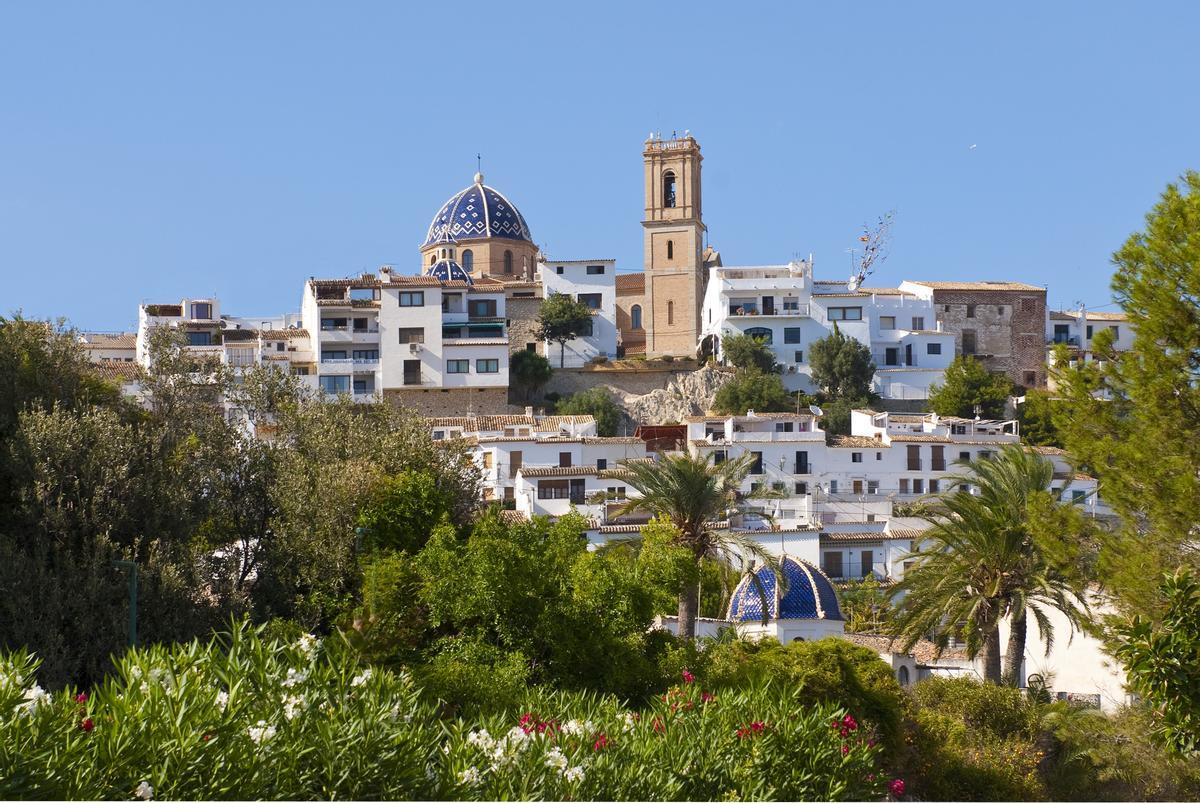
[528,371]
[967,385]
[746,351]
[751,389]
[841,366]
[561,319]
[596,402]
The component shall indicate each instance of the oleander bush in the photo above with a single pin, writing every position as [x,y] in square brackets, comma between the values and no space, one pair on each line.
[248,716]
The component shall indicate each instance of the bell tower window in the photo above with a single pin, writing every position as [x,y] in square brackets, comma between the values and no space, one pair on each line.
[432,259]
[668,181]
[635,316]
[670,249]
[468,260]
[670,313]
[508,261]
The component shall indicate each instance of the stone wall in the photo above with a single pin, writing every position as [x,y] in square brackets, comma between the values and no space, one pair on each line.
[522,321]
[1012,341]
[565,381]
[454,402]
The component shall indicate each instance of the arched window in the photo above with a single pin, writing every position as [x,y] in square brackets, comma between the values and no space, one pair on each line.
[669,189]
[433,259]
[670,249]
[468,260]
[635,316]
[508,261]
[902,675]
[670,313]
[760,333]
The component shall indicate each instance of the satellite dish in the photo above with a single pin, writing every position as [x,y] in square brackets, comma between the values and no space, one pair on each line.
[815,410]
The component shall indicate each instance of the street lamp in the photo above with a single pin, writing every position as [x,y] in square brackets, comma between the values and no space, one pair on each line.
[131,567]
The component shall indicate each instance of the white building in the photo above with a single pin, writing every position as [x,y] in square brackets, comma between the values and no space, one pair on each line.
[591,282]
[784,306]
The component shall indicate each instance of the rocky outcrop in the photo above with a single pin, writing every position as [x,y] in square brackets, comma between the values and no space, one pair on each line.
[686,394]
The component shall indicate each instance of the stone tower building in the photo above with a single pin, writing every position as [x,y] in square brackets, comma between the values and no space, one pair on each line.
[674,256]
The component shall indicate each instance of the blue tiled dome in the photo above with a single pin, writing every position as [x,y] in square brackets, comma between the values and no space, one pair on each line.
[449,271]
[809,594]
[476,212]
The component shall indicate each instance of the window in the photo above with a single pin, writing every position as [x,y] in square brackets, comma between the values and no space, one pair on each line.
[414,334]
[958,429]
[918,486]
[279,346]
[458,366]
[515,459]
[935,486]
[937,455]
[670,249]
[332,324]
[416,299]
[668,189]
[879,455]
[199,338]
[868,562]
[487,366]
[845,313]
[891,356]
[719,457]
[802,489]
[300,370]
[595,270]
[635,316]
[914,457]
[904,485]
[833,486]
[872,487]
[588,329]
[360,324]
[784,426]
[670,313]
[508,261]
[601,463]
[902,676]
[1000,310]
[1029,378]
[970,310]
[791,334]
[335,384]
[918,323]
[564,459]
[964,457]
[485,308]
[887,322]
[1116,330]
[760,333]
[201,312]
[801,463]
[799,356]
[933,348]
[756,466]
[1077,497]
[856,457]
[367,355]
[558,269]
[468,260]
[361,387]
[831,562]
[590,300]
[968,342]
[364,293]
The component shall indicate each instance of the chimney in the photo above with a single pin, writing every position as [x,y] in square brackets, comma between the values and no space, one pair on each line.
[529,412]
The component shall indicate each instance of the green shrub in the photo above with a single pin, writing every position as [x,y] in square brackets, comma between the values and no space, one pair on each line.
[831,670]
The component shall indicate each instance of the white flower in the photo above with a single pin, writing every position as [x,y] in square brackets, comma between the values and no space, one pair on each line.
[145,687]
[135,672]
[361,679]
[572,728]
[294,678]
[222,699]
[35,695]
[308,645]
[630,721]
[481,739]
[292,705]
[517,735]
[144,791]
[261,732]
[469,776]
[574,775]
[556,760]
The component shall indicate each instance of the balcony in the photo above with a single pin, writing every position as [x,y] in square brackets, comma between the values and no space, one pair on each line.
[365,364]
[785,311]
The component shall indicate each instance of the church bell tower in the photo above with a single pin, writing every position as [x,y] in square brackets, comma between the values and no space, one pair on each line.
[674,246]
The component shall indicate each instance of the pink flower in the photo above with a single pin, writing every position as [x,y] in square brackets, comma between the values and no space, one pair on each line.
[600,743]
[871,777]
[845,749]
[896,787]
[81,698]
[705,697]
[688,677]
[87,725]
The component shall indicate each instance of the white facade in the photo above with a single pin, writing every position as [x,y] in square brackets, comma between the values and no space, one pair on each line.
[592,282]
[785,306]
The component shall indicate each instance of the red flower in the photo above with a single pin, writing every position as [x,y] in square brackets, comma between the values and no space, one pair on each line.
[688,677]
[849,723]
[87,725]
[659,727]
[705,697]
[81,697]
[871,777]
[845,749]
[600,743]
[896,787]
[757,727]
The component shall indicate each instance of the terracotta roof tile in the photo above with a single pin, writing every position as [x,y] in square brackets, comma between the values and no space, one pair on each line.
[925,651]
[558,471]
[857,442]
[983,285]
[103,340]
[630,283]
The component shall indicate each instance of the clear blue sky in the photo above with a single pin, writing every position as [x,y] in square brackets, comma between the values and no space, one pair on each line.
[154,150]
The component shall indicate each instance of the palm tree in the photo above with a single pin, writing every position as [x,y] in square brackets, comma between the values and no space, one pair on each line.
[695,495]
[983,560]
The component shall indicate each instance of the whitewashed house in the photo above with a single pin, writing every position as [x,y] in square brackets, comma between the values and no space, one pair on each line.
[591,282]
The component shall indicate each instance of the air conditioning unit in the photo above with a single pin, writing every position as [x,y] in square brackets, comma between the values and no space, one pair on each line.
[414,348]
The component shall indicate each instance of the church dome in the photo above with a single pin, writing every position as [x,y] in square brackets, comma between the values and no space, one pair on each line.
[477,212]
[449,271]
[809,594]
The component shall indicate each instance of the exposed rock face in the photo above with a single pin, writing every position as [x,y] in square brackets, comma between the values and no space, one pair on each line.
[686,394]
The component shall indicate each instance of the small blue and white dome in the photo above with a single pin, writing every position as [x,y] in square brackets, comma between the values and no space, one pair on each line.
[478,211]
[449,271]
[809,594]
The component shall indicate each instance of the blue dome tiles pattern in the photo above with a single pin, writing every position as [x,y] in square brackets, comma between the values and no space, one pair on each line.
[477,212]
[447,270]
[809,595]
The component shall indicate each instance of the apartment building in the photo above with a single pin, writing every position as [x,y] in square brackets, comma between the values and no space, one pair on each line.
[786,308]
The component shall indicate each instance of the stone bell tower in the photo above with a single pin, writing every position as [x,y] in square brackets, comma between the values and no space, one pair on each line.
[674,244]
